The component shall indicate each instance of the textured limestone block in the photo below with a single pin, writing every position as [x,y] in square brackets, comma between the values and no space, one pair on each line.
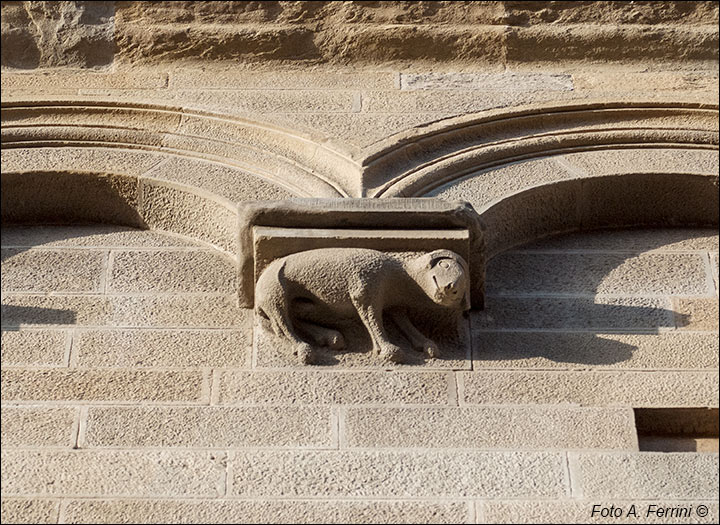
[103,385]
[89,236]
[618,274]
[647,476]
[224,511]
[33,347]
[163,348]
[183,311]
[166,207]
[40,270]
[696,313]
[592,313]
[486,81]
[37,426]
[208,427]
[532,428]
[113,473]
[636,240]
[563,350]
[611,388]
[201,271]
[376,474]
[70,197]
[29,511]
[315,387]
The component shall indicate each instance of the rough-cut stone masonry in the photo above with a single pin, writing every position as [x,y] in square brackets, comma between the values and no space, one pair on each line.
[137,385]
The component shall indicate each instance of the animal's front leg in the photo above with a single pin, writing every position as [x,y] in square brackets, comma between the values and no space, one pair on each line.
[417,340]
[371,316]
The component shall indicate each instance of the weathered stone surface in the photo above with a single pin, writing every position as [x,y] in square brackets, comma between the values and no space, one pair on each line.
[582,511]
[33,347]
[37,426]
[647,476]
[75,34]
[208,427]
[113,473]
[40,270]
[165,207]
[334,474]
[29,511]
[334,284]
[89,236]
[163,271]
[320,388]
[186,311]
[562,350]
[696,313]
[224,511]
[617,274]
[104,385]
[589,313]
[490,428]
[640,240]
[53,197]
[633,389]
[163,348]
[486,81]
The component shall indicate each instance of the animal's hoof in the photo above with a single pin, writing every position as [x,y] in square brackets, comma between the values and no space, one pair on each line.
[391,353]
[305,354]
[335,342]
[431,349]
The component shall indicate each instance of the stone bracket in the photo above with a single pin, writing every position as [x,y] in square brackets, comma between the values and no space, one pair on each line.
[273,229]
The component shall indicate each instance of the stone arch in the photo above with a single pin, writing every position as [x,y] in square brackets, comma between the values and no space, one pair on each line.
[419,161]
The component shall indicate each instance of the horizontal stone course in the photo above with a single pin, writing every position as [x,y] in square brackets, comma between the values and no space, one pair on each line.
[611,388]
[574,313]
[89,236]
[37,426]
[647,476]
[494,427]
[320,388]
[563,350]
[142,348]
[202,271]
[618,274]
[486,81]
[33,347]
[56,384]
[381,474]
[29,510]
[40,270]
[112,473]
[210,427]
[210,311]
[696,313]
[295,511]
[204,79]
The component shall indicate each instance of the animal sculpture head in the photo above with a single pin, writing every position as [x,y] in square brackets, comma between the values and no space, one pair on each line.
[445,278]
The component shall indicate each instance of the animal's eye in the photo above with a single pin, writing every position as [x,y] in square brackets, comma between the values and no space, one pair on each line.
[444,264]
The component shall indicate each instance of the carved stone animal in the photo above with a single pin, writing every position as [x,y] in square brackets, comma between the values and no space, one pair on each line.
[307,291]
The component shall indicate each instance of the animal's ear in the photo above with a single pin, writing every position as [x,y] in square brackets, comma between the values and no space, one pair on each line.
[437,255]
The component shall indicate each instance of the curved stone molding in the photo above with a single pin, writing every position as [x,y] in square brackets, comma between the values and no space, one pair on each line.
[593,202]
[413,164]
[141,202]
[285,158]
